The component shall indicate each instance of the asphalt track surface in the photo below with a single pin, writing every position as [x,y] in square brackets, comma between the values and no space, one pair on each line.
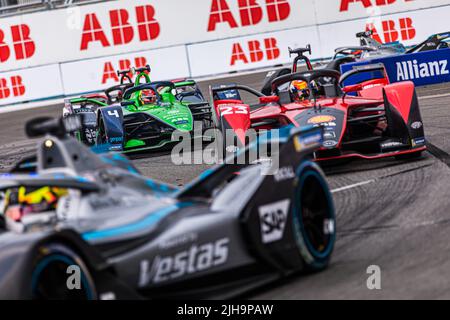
[392,214]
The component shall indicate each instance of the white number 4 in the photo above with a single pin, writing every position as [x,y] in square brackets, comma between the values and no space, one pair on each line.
[113,113]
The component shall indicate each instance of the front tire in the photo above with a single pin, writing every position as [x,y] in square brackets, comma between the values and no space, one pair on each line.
[53,275]
[314,219]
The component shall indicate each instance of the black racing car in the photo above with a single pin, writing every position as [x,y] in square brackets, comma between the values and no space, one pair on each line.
[89,226]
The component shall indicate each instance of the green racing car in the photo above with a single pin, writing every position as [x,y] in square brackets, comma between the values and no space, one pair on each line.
[141,115]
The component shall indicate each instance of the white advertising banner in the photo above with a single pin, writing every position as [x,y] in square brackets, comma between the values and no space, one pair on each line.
[30,84]
[98,74]
[341,10]
[409,28]
[250,52]
[116,27]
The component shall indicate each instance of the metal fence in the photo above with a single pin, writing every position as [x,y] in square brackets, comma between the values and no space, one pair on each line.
[14,7]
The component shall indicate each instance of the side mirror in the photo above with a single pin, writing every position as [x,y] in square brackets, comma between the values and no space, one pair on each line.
[269,99]
[58,127]
[353,88]
[127,103]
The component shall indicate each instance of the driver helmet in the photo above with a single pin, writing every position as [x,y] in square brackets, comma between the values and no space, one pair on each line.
[22,201]
[299,90]
[147,96]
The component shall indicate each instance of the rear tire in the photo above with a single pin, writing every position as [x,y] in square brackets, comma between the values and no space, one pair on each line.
[314,219]
[51,275]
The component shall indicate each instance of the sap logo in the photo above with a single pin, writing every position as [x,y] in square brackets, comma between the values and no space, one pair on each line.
[197,258]
[23,46]
[109,70]
[410,70]
[251,13]
[255,51]
[12,86]
[122,31]
[285,173]
[273,220]
[345,4]
[392,31]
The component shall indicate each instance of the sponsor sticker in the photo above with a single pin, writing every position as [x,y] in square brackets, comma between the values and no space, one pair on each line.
[418,142]
[321,119]
[273,220]
[391,144]
[285,173]
[330,143]
[195,259]
[307,141]
[416,125]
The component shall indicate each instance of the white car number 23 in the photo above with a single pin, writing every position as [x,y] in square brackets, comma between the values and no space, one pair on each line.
[229,110]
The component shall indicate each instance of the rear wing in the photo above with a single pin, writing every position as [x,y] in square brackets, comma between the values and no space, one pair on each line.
[188,91]
[299,52]
[231,91]
[347,51]
[432,43]
[366,39]
[364,69]
[294,145]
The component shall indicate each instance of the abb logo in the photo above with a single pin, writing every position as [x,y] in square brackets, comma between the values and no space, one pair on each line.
[250,13]
[392,30]
[345,4]
[121,30]
[256,51]
[109,71]
[12,85]
[22,45]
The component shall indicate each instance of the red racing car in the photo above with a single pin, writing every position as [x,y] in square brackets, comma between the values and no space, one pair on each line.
[372,119]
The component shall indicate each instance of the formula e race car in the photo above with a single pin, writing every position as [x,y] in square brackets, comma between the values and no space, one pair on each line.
[370,119]
[234,228]
[369,49]
[141,116]
[372,49]
[434,42]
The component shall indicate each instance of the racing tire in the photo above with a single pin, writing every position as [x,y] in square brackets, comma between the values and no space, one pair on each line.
[51,276]
[101,133]
[314,221]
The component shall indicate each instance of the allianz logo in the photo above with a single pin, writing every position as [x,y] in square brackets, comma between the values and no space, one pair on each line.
[410,70]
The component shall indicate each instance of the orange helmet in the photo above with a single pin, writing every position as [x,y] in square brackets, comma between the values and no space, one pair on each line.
[299,85]
[299,90]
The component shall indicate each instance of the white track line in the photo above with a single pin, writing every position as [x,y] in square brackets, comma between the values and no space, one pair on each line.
[435,96]
[359,184]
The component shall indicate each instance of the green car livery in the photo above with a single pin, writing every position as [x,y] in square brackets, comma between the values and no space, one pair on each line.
[143,115]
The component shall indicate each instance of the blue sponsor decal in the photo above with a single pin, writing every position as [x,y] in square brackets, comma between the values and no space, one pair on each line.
[423,68]
[419,141]
[116,140]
